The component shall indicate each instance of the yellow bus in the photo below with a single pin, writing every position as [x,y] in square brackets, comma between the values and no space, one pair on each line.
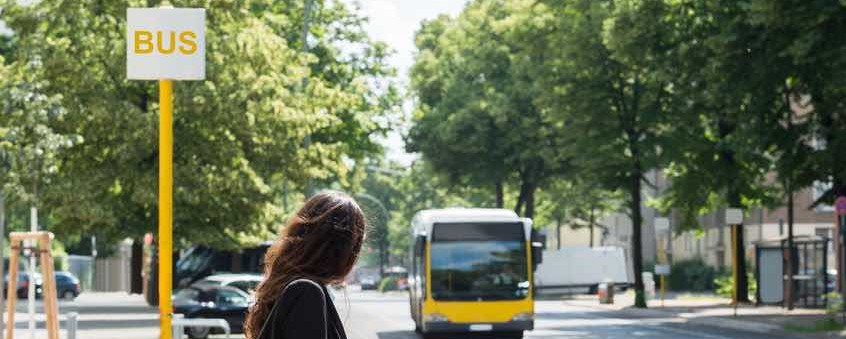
[471,271]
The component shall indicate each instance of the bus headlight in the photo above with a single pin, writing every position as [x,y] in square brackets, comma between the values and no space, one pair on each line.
[435,318]
[523,317]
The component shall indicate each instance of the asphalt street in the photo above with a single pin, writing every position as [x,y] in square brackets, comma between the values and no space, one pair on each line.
[372,315]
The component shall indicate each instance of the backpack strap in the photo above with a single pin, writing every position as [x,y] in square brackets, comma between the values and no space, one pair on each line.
[279,301]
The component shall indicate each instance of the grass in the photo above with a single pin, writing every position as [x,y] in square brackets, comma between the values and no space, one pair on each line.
[825,325]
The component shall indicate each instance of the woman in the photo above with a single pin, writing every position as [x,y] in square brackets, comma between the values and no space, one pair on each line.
[319,246]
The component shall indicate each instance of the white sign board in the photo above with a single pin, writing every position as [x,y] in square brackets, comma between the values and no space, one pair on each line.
[166,43]
[662,269]
[734,216]
[662,225]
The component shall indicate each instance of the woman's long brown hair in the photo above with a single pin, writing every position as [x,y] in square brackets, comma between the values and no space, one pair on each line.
[321,242]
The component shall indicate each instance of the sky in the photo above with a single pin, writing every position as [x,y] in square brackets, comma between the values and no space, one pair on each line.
[394,22]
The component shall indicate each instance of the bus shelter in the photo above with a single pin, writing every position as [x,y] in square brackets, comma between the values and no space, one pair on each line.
[811,282]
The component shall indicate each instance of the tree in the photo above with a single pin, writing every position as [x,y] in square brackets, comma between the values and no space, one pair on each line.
[404,192]
[602,84]
[735,82]
[578,204]
[814,73]
[476,119]
[239,134]
[30,148]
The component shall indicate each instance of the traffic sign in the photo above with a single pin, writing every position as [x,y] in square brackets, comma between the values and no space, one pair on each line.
[165,43]
[662,270]
[734,216]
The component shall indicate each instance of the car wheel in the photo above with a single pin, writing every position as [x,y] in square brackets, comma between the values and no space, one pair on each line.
[198,332]
[68,295]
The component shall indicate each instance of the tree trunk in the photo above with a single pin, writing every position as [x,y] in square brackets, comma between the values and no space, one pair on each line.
[530,201]
[136,281]
[637,245]
[558,232]
[591,226]
[500,195]
[381,259]
[740,251]
[521,199]
[790,263]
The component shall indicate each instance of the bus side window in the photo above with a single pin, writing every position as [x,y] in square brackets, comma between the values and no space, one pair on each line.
[420,264]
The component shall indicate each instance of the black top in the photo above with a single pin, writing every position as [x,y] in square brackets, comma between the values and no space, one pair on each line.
[305,311]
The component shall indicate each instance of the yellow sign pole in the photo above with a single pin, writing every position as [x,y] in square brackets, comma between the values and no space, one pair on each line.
[662,259]
[734,262]
[165,206]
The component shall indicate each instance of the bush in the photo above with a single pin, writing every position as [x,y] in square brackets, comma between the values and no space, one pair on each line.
[725,285]
[388,284]
[834,304]
[692,276]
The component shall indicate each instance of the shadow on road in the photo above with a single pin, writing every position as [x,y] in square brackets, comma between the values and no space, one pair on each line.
[413,335]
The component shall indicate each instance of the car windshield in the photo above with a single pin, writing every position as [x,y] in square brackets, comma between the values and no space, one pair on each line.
[479,266]
[209,282]
[187,295]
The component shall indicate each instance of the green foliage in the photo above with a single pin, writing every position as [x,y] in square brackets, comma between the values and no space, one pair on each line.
[825,325]
[7,45]
[576,203]
[476,120]
[834,304]
[239,135]
[692,275]
[404,192]
[389,284]
[31,147]
[724,285]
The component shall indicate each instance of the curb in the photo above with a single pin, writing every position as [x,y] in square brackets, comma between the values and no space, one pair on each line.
[733,324]
[722,322]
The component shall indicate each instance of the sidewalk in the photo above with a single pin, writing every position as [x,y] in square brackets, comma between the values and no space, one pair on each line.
[710,310]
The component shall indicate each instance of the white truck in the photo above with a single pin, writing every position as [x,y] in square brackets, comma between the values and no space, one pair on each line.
[575,270]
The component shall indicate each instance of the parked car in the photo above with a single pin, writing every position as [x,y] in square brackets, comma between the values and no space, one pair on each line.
[22,287]
[212,301]
[369,283]
[67,285]
[244,282]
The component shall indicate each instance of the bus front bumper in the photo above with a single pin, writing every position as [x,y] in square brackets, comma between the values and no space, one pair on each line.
[451,327]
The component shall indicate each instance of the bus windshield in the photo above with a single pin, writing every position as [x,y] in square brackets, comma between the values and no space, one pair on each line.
[479,261]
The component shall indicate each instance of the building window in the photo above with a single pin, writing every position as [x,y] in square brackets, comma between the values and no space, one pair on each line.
[819,188]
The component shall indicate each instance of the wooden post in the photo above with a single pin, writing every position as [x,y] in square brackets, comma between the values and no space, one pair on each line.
[12,288]
[51,305]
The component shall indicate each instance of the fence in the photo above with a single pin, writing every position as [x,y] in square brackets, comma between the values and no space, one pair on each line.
[112,274]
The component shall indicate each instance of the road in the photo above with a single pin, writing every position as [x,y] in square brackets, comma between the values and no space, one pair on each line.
[372,315]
